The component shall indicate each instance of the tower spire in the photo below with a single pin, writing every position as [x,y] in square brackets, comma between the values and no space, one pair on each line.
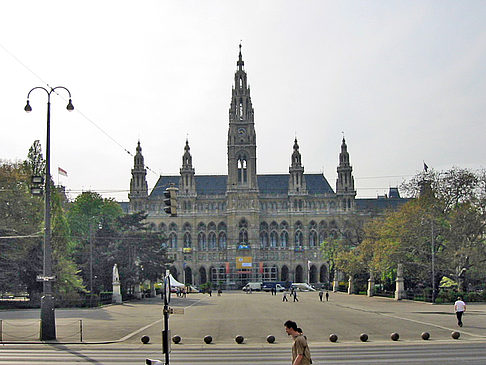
[187,182]
[138,184]
[297,183]
[345,180]
[241,135]
[240,62]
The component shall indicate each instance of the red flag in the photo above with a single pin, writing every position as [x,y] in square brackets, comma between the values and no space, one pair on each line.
[261,267]
[227,268]
[61,172]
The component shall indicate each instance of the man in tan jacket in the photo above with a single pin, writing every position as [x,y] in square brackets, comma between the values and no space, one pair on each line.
[300,349]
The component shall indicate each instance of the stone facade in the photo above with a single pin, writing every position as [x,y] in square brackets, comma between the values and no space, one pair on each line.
[241,227]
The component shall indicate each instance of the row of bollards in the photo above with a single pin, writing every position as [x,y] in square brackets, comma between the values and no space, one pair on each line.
[332,337]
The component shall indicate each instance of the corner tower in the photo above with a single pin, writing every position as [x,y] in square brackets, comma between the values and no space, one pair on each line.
[138,184]
[187,184]
[345,181]
[241,135]
[296,181]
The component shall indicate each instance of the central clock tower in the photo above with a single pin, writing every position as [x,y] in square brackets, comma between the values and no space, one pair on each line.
[241,136]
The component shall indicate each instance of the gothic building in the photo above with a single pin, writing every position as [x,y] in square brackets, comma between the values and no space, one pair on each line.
[240,227]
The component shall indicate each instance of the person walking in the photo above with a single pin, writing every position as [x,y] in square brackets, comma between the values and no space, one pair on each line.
[284,298]
[327,296]
[300,350]
[459,308]
[320,295]
[295,296]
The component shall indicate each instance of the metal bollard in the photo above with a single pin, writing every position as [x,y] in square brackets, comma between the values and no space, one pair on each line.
[80,330]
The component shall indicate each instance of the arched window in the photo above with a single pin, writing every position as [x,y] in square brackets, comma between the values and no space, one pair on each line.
[284,239]
[312,238]
[187,240]
[211,226]
[242,169]
[273,239]
[173,227]
[162,227]
[322,236]
[173,240]
[264,240]
[299,239]
[212,240]
[222,226]
[222,240]
[201,241]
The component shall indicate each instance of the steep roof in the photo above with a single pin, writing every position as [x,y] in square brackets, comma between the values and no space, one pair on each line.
[380,204]
[267,184]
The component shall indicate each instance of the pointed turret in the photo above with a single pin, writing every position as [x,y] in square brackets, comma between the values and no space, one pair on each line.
[241,135]
[345,181]
[187,185]
[296,180]
[138,184]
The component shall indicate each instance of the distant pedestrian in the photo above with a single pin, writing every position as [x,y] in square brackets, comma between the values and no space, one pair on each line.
[295,296]
[300,350]
[459,308]
[320,295]
[210,292]
[284,298]
[219,292]
[327,296]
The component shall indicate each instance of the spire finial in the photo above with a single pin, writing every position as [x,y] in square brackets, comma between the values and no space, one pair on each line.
[240,62]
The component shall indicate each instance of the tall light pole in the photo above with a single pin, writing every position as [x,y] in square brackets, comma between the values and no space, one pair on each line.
[48,320]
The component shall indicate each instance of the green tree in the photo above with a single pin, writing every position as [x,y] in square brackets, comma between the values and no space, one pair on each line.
[21,217]
[93,223]
[68,284]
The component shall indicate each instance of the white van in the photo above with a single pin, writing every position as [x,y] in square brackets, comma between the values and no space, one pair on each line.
[252,286]
[302,287]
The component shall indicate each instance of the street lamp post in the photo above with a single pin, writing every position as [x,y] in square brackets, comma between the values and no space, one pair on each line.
[48,321]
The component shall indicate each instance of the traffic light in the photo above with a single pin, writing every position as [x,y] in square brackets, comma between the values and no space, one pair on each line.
[170,200]
[36,187]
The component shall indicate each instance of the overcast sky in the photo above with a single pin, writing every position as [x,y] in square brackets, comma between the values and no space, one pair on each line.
[404,80]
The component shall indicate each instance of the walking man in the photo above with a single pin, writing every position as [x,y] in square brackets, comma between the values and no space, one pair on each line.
[284,298]
[320,295]
[300,350]
[327,296]
[459,308]
[295,296]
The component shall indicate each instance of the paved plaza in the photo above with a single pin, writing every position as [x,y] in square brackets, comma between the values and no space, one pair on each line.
[254,316]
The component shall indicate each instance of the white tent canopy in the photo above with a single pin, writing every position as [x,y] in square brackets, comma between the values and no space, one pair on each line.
[174,282]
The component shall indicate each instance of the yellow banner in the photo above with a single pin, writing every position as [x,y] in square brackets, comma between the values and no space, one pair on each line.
[244,262]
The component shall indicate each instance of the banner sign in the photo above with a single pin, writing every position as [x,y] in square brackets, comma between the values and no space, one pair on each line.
[244,262]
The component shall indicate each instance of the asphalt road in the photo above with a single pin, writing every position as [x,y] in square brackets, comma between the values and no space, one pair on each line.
[125,354]
[254,316]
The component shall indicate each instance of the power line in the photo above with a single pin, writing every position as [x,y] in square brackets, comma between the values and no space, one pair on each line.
[77,109]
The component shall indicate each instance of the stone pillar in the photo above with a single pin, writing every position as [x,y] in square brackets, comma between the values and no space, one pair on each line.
[335,283]
[152,290]
[116,297]
[350,285]
[371,285]
[136,291]
[399,286]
